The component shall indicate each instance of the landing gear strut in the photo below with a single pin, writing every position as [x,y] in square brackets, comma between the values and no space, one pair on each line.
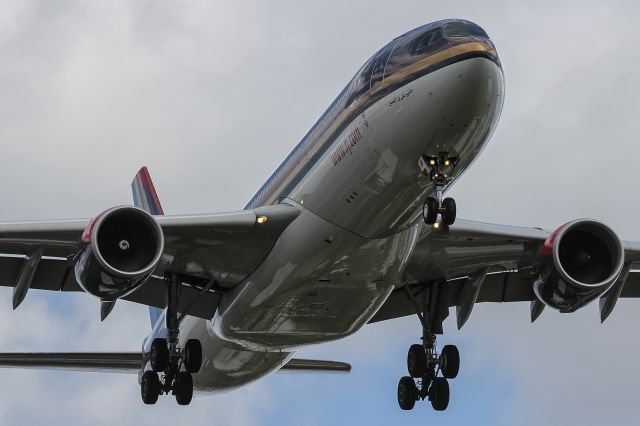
[438,169]
[167,359]
[424,364]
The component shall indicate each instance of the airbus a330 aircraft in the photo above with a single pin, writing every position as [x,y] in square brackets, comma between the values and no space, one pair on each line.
[352,228]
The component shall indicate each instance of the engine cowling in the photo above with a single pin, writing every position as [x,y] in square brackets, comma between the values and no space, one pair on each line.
[578,263]
[119,250]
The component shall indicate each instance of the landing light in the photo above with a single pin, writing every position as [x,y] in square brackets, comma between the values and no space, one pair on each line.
[447,162]
[436,225]
[261,219]
[432,162]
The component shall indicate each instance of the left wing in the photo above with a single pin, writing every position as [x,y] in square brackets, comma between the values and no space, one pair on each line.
[483,262]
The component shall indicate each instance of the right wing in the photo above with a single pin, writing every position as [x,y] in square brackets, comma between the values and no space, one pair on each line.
[213,252]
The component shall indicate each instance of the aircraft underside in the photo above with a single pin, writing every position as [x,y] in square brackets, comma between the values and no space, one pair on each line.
[352,228]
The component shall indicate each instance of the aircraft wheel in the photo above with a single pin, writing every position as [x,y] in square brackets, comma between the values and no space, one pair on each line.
[407,393]
[439,394]
[449,215]
[450,361]
[430,211]
[159,355]
[183,388]
[150,387]
[192,355]
[416,361]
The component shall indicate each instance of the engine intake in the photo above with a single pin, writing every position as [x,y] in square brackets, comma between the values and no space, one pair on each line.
[119,250]
[578,263]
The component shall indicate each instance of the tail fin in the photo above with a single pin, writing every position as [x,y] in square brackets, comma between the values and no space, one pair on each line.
[144,193]
[146,198]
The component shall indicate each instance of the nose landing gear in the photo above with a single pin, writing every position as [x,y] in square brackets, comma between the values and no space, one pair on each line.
[171,366]
[424,364]
[438,169]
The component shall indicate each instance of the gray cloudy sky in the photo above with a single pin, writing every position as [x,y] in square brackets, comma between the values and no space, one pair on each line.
[212,96]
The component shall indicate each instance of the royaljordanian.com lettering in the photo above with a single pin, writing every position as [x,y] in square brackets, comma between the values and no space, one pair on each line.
[346,146]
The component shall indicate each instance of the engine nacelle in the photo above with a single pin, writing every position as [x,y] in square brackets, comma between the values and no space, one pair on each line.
[120,249]
[578,263]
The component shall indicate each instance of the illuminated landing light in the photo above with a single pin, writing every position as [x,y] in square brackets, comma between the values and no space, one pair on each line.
[447,162]
[432,162]
[261,219]
[436,225]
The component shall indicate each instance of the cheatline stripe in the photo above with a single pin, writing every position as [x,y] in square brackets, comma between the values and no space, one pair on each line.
[313,146]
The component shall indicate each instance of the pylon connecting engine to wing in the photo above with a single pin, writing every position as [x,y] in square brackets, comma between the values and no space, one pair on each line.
[119,250]
[578,263]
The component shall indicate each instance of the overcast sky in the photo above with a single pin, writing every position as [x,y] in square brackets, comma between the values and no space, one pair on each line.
[213,95]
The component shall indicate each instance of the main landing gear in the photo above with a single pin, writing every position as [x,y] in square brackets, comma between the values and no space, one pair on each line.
[424,364]
[438,169]
[171,366]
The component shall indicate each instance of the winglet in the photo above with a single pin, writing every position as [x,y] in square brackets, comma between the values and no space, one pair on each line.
[144,193]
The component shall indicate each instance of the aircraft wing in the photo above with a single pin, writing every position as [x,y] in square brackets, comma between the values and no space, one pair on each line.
[212,252]
[483,262]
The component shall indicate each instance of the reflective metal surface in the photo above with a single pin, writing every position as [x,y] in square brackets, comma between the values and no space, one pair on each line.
[577,264]
[337,229]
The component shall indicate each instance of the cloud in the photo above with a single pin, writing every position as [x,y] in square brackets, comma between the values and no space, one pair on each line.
[212,96]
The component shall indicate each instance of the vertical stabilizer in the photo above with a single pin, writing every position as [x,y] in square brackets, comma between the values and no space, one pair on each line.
[144,193]
[146,198]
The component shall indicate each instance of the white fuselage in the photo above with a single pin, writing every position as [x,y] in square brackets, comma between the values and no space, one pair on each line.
[334,266]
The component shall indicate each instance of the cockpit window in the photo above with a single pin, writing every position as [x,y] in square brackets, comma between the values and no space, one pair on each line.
[476,31]
[428,41]
[456,29]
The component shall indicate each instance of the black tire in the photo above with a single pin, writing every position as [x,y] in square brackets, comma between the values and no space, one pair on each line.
[439,394]
[449,207]
[192,355]
[407,393]
[430,211]
[150,387]
[450,361]
[416,361]
[159,355]
[183,388]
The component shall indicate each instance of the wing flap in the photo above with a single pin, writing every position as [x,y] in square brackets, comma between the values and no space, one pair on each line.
[195,301]
[497,287]
[51,274]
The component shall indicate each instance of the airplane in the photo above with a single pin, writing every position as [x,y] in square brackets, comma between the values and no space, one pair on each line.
[352,228]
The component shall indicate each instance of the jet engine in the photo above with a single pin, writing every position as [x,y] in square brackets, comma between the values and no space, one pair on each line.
[119,250]
[578,263]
